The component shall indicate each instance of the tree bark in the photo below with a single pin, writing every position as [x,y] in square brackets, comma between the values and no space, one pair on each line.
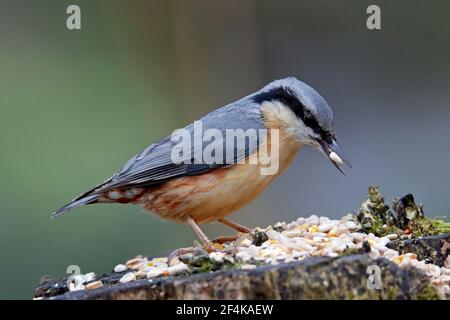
[313,278]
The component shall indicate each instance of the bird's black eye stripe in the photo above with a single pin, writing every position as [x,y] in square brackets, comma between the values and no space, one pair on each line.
[288,98]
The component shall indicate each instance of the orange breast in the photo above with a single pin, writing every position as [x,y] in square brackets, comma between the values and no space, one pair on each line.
[214,195]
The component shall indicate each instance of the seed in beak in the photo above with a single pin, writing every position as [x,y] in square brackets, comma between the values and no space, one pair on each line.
[335,158]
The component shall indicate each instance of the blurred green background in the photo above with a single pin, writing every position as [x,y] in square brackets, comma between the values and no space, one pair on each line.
[75,105]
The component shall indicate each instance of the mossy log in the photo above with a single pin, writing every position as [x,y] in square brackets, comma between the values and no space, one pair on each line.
[313,278]
[348,276]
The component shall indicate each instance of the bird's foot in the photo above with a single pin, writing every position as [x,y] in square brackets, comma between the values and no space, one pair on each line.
[209,246]
[232,242]
[178,253]
[226,239]
[197,249]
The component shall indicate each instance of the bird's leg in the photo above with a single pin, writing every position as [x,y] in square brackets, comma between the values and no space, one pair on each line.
[225,239]
[235,226]
[207,244]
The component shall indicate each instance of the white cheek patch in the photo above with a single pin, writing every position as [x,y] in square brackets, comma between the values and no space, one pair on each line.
[335,158]
[279,115]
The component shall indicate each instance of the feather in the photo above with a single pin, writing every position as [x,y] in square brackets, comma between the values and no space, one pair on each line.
[154,166]
[74,204]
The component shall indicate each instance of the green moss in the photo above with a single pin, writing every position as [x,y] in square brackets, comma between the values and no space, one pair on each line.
[421,227]
[440,226]
[203,263]
[374,213]
[428,293]
[390,230]
[406,217]
[349,252]
[376,202]
[426,227]
[372,224]
[378,228]
[391,293]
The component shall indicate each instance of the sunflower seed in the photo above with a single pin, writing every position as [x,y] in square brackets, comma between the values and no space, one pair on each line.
[325,227]
[120,268]
[127,277]
[153,273]
[94,285]
[177,269]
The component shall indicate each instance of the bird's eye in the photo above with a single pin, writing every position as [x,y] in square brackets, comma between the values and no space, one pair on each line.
[329,137]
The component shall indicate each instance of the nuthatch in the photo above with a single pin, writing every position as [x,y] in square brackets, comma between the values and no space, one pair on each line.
[196,193]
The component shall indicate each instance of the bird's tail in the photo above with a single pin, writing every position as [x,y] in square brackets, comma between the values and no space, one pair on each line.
[80,201]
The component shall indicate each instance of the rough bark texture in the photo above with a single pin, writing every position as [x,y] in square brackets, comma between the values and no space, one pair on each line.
[313,278]
[433,249]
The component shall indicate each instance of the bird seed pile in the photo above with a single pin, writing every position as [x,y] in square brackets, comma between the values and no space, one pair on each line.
[283,242]
[368,231]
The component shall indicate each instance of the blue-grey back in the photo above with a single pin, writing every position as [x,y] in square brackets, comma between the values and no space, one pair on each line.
[154,164]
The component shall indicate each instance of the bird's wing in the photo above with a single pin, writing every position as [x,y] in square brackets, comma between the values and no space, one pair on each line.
[154,164]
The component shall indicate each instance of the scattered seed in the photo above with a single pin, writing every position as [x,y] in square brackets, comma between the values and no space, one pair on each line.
[73,287]
[445,271]
[282,242]
[154,273]
[433,270]
[293,233]
[133,263]
[380,247]
[178,269]
[392,236]
[244,256]
[88,277]
[127,277]
[313,220]
[248,267]
[94,285]
[333,232]
[140,274]
[120,268]
[246,242]
[300,221]
[351,225]
[335,158]
[323,220]
[217,256]
[390,254]
[358,236]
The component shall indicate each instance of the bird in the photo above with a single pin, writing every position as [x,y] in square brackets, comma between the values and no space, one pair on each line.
[195,193]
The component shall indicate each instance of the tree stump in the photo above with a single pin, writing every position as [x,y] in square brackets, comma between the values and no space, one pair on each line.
[313,278]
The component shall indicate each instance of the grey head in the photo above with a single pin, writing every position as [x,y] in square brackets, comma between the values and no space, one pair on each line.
[314,124]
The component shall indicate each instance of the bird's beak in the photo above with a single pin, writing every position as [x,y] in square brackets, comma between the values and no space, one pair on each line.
[334,153]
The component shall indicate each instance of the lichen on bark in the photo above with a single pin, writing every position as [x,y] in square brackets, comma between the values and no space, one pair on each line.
[404,218]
